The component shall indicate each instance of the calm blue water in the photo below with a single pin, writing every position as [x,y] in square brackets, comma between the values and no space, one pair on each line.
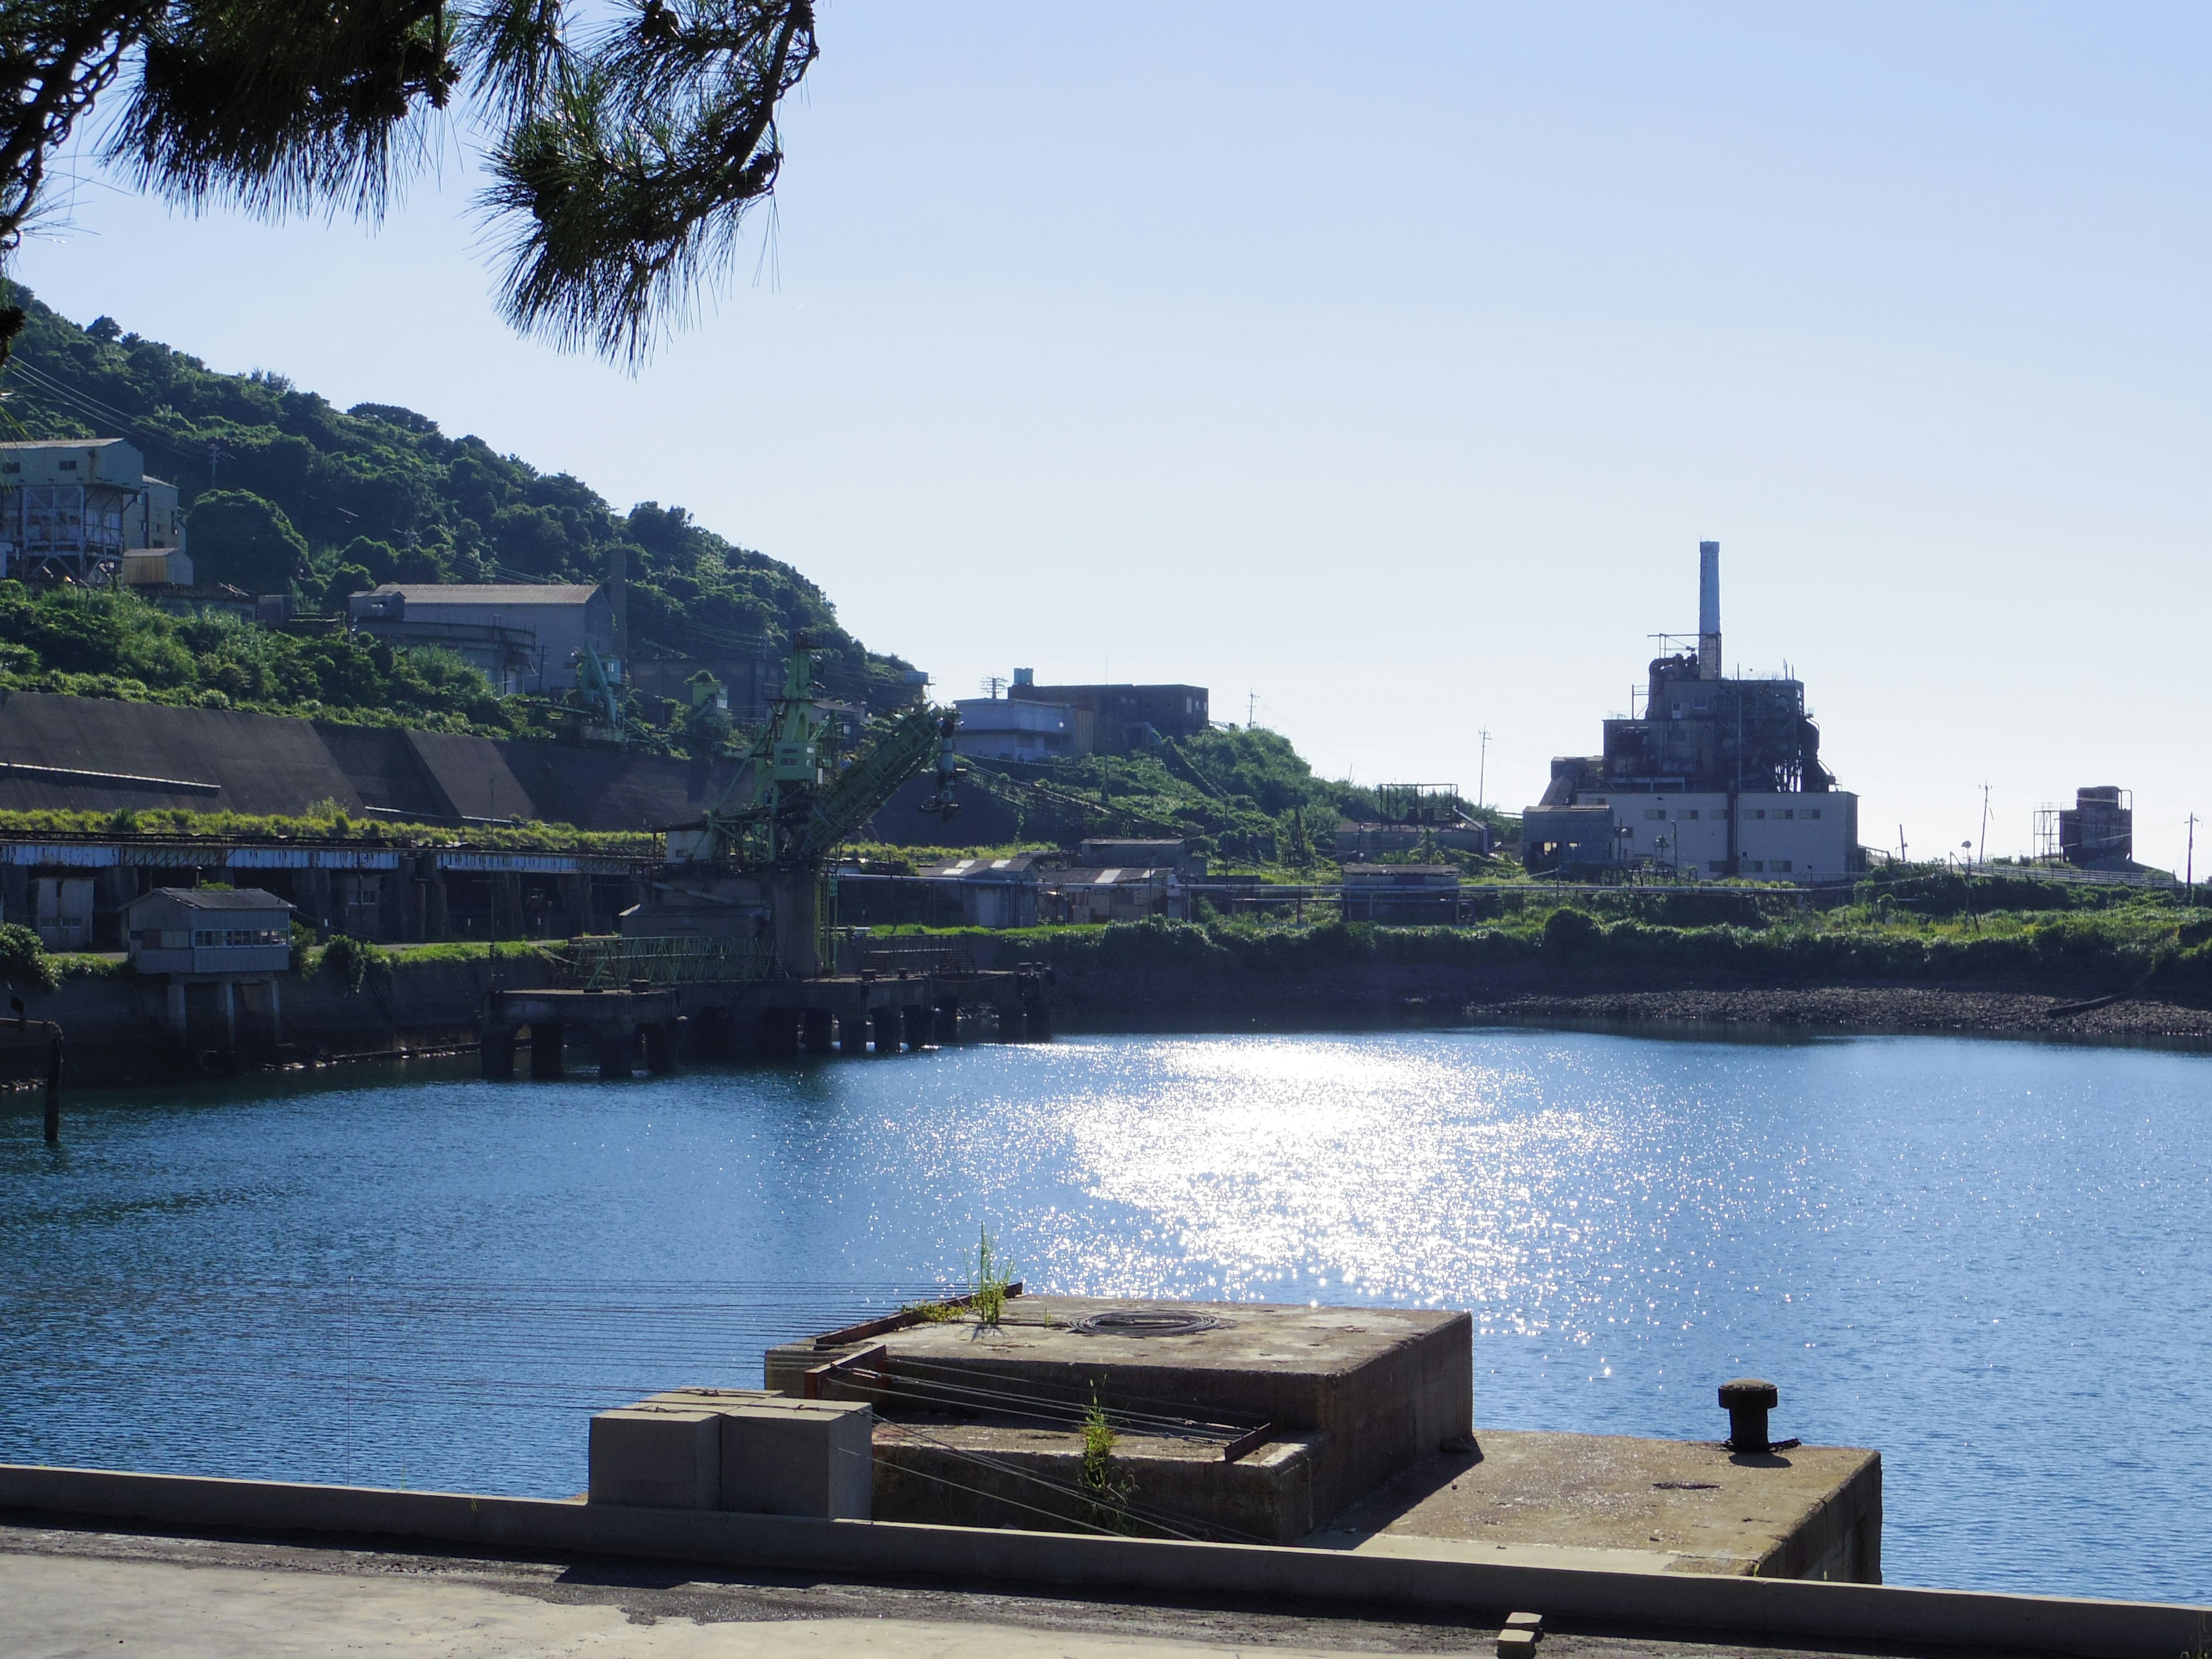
[1989,1259]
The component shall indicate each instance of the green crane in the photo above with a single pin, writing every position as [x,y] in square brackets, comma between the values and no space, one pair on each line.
[800,795]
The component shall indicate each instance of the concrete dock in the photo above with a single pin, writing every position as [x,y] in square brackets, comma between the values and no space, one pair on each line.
[84,1593]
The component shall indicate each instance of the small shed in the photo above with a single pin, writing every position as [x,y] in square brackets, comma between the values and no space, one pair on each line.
[1116,893]
[992,892]
[208,930]
[1413,894]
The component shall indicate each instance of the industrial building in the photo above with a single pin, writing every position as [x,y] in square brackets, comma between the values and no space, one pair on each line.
[2098,832]
[1717,777]
[1121,719]
[1011,729]
[84,510]
[523,637]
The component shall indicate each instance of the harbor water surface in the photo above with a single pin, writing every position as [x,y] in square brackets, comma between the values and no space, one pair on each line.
[1991,1261]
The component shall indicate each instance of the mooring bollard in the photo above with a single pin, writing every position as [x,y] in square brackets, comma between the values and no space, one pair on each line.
[1748,1403]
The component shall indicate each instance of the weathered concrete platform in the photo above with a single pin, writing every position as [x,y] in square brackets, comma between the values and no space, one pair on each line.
[949,1472]
[1364,1392]
[813,1567]
[1616,1504]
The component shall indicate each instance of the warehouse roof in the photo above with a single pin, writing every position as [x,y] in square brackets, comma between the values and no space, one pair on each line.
[490,593]
[215,898]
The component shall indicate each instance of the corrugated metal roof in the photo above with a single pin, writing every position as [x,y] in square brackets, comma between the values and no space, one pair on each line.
[490,592]
[216,898]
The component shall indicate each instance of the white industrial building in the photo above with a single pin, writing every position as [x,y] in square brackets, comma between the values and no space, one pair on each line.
[84,508]
[1718,776]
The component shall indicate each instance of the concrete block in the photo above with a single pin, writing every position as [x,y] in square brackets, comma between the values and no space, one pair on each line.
[812,1457]
[657,1456]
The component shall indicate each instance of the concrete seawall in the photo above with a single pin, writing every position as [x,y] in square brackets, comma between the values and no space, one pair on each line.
[1764,1607]
[117,1031]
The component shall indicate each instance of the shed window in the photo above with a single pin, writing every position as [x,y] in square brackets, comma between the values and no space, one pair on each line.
[1786,812]
[1810,813]
[1658,813]
[1757,866]
[1782,864]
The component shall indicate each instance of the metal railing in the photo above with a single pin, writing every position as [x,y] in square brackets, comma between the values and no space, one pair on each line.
[614,965]
[891,960]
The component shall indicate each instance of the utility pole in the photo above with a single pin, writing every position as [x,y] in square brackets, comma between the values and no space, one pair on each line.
[1982,856]
[1482,771]
[1251,708]
[1900,843]
[2189,878]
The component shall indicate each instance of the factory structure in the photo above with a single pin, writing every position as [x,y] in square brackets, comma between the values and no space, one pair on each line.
[85,510]
[1717,777]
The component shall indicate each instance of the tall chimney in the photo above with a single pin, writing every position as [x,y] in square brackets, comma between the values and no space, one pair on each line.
[1709,610]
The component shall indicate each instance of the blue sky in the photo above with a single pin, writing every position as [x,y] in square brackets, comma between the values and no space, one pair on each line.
[1389,367]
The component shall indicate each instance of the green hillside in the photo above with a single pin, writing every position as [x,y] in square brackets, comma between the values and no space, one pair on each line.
[291,491]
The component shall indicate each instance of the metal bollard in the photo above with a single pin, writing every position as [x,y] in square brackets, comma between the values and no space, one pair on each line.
[1747,1401]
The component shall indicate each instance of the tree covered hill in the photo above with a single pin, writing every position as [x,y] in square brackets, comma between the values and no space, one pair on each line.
[284,491]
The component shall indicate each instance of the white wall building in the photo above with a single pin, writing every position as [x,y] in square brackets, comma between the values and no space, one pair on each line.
[1796,836]
[1011,729]
[78,506]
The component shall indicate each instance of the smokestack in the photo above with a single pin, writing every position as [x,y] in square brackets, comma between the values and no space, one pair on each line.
[1709,610]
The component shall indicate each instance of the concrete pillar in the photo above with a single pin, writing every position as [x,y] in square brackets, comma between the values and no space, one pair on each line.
[815,1023]
[1036,1012]
[886,1022]
[712,1036]
[437,919]
[275,1013]
[853,1029]
[919,1020]
[574,899]
[227,1000]
[779,1032]
[506,906]
[617,1053]
[177,1016]
[948,1020]
[1011,1023]
[497,1051]
[545,1042]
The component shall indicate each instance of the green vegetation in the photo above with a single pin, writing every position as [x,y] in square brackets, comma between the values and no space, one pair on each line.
[623,149]
[303,497]
[1107,1494]
[85,644]
[987,1291]
[353,964]
[327,823]
[25,967]
[2086,939]
[1240,794]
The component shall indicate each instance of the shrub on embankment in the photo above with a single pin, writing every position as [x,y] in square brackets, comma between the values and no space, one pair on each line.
[2154,944]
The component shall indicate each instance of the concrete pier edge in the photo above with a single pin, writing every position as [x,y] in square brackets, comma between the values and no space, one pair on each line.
[1772,1606]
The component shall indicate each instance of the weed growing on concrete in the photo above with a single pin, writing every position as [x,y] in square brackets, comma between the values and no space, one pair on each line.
[1107,1497]
[1098,1445]
[994,1275]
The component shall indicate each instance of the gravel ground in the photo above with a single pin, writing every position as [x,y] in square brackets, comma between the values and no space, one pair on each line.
[1861,1008]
